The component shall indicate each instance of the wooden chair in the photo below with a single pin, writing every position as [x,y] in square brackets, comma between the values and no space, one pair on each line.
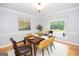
[29,35]
[21,50]
[51,42]
[44,45]
[50,34]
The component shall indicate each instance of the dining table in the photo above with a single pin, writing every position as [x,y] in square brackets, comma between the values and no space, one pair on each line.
[34,41]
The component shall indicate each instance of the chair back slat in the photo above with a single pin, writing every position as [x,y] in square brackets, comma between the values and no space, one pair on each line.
[14,43]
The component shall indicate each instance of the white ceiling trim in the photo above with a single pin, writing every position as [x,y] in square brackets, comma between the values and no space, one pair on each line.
[18,12]
[62,11]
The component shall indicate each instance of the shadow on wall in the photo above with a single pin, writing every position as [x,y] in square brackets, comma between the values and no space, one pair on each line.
[74,37]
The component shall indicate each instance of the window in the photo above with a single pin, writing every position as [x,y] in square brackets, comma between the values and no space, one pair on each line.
[57,27]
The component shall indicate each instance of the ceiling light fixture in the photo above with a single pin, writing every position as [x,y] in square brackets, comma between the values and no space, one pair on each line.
[39,7]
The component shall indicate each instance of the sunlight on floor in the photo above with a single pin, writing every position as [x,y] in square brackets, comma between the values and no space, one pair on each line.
[60,50]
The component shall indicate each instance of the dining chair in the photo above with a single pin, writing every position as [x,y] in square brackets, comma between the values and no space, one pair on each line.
[21,50]
[43,45]
[29,35]
[51,42]
[50,34]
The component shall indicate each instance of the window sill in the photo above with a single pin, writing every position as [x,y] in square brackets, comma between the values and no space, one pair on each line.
[60,36]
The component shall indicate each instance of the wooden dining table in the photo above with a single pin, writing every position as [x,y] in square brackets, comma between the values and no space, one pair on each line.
[35,41]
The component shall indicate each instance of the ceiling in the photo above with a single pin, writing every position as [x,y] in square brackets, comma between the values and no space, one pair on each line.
[48,8]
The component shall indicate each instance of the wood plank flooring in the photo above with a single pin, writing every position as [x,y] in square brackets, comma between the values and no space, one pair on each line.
[73,50]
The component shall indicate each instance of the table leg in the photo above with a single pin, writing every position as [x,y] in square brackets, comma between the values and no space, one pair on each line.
[35,50]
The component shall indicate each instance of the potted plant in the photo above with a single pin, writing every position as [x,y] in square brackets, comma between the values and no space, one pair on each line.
[39,27]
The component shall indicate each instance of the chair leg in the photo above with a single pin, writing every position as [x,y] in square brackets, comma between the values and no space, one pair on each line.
[42,52]
[31,52]
[48,51]
[54,46]
[51,48]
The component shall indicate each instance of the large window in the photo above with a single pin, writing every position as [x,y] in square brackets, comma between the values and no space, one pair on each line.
[57,27]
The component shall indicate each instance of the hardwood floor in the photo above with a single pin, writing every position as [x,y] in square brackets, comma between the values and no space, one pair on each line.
[73,50]
[6,49]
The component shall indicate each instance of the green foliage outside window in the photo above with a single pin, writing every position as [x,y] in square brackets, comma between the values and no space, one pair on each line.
[57,26]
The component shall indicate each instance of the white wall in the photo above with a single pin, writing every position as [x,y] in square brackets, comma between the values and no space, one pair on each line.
[9,25]
[72,23]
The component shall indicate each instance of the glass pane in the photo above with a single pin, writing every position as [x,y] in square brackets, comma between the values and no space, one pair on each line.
[57,26]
